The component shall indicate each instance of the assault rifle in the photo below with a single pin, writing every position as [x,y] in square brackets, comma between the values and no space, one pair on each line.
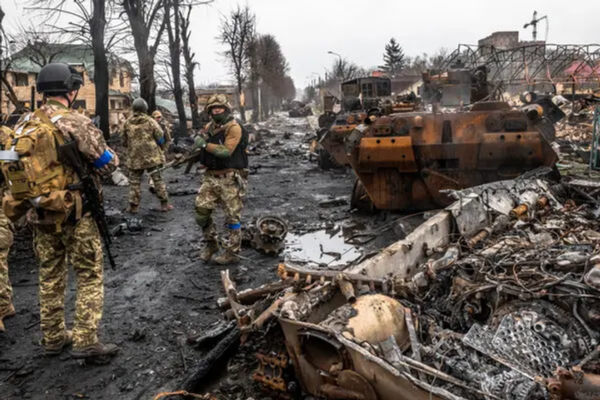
[91,196]
[190,159]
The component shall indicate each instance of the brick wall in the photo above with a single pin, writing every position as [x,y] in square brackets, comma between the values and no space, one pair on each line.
[501,40]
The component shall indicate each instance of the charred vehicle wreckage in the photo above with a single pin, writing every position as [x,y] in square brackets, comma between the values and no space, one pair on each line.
[494,297]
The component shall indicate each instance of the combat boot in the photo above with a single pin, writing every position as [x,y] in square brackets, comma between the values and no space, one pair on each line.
[52,351]
[6,313]
[212,248]
[95,350]
[226,257]
[133,208]
[234,244]
[209,231]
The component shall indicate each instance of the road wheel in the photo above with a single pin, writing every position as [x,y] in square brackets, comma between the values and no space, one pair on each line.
[325,161]
[360,199]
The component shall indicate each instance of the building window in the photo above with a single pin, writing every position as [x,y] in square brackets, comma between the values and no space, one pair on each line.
[367,90]
[121,79]
[21,80]
[383,89]
[78,104]
[113,105]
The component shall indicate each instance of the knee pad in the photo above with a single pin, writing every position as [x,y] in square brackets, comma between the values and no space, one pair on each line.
[203,216]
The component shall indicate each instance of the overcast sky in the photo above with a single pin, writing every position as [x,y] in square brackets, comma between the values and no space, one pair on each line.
[359,29]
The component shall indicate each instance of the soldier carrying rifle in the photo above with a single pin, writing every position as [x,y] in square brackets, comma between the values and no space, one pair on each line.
[61,200]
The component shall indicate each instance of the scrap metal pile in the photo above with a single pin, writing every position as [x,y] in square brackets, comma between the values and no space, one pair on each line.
[495,297]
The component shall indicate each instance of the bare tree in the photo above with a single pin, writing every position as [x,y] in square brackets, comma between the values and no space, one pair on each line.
[190,66]
[145,18]
[36,44]
[437,59]
[344,70]
[174,33]
[268,68]
[89,21]
[237,32]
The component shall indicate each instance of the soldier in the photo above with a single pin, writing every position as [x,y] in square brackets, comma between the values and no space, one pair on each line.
[224,183]
[144,141]
[164,125]
[6,239]
[62,225]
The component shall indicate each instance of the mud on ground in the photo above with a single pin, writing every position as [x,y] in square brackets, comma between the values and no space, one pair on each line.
[161,292]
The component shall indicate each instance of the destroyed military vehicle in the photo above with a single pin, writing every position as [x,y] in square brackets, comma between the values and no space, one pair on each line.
[409,161]
[495,297]
[361,97]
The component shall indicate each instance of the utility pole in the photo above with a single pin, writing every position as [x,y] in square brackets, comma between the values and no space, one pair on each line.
[534,23]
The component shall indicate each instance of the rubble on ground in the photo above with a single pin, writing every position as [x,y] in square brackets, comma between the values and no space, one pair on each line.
[300,110]
[495,297]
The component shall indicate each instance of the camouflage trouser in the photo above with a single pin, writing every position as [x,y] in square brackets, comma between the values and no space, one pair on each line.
[6,240]
[135,183]
[227,191]
[81,245]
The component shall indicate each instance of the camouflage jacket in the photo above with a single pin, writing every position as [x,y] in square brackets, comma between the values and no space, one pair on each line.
[144,140]
[168,136]
[89,139]
[90,143]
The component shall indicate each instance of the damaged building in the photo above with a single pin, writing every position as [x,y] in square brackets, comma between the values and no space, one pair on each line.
[22,69]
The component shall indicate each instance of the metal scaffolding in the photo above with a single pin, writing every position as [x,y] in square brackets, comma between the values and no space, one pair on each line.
[532,65]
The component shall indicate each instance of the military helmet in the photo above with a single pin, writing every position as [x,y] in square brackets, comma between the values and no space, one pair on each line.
[218,100]
[58,78]
[156,114]
[139,105]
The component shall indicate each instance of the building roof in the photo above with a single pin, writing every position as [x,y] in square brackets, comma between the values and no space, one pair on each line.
[171,107]
[34,56]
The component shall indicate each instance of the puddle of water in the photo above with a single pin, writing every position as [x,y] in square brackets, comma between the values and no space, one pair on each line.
[320,247]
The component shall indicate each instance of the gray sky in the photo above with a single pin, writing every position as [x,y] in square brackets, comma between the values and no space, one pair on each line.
[359,30]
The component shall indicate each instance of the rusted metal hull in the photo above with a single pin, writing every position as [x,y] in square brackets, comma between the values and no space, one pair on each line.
[377,377]
[334,138]
[407,161]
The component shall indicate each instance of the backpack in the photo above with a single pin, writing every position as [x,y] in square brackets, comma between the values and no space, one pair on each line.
[245,139]
[38,170]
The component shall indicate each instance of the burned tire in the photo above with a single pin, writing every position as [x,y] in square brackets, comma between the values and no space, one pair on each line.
[360,199]
[325,161]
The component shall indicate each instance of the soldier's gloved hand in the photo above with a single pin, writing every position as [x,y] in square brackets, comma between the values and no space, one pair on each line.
[200,142]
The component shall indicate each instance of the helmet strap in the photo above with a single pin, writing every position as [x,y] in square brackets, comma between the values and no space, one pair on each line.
[66,96]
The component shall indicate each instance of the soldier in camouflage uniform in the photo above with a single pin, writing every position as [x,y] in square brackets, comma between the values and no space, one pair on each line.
[6,239]
[224,183]
[59,237]
[144,140]
[164,125]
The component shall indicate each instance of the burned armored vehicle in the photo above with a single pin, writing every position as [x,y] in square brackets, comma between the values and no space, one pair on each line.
[409,161]
[361,97]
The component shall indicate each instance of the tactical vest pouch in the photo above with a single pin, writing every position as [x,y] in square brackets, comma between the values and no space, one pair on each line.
[59,201]
[38,171]
[14,209]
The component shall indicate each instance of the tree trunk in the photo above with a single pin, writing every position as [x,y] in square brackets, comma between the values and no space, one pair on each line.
[254,91]
[173,31]
[145,54]
[239,99]
[190,66]
[193,97]
[147,83]
[101,68]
